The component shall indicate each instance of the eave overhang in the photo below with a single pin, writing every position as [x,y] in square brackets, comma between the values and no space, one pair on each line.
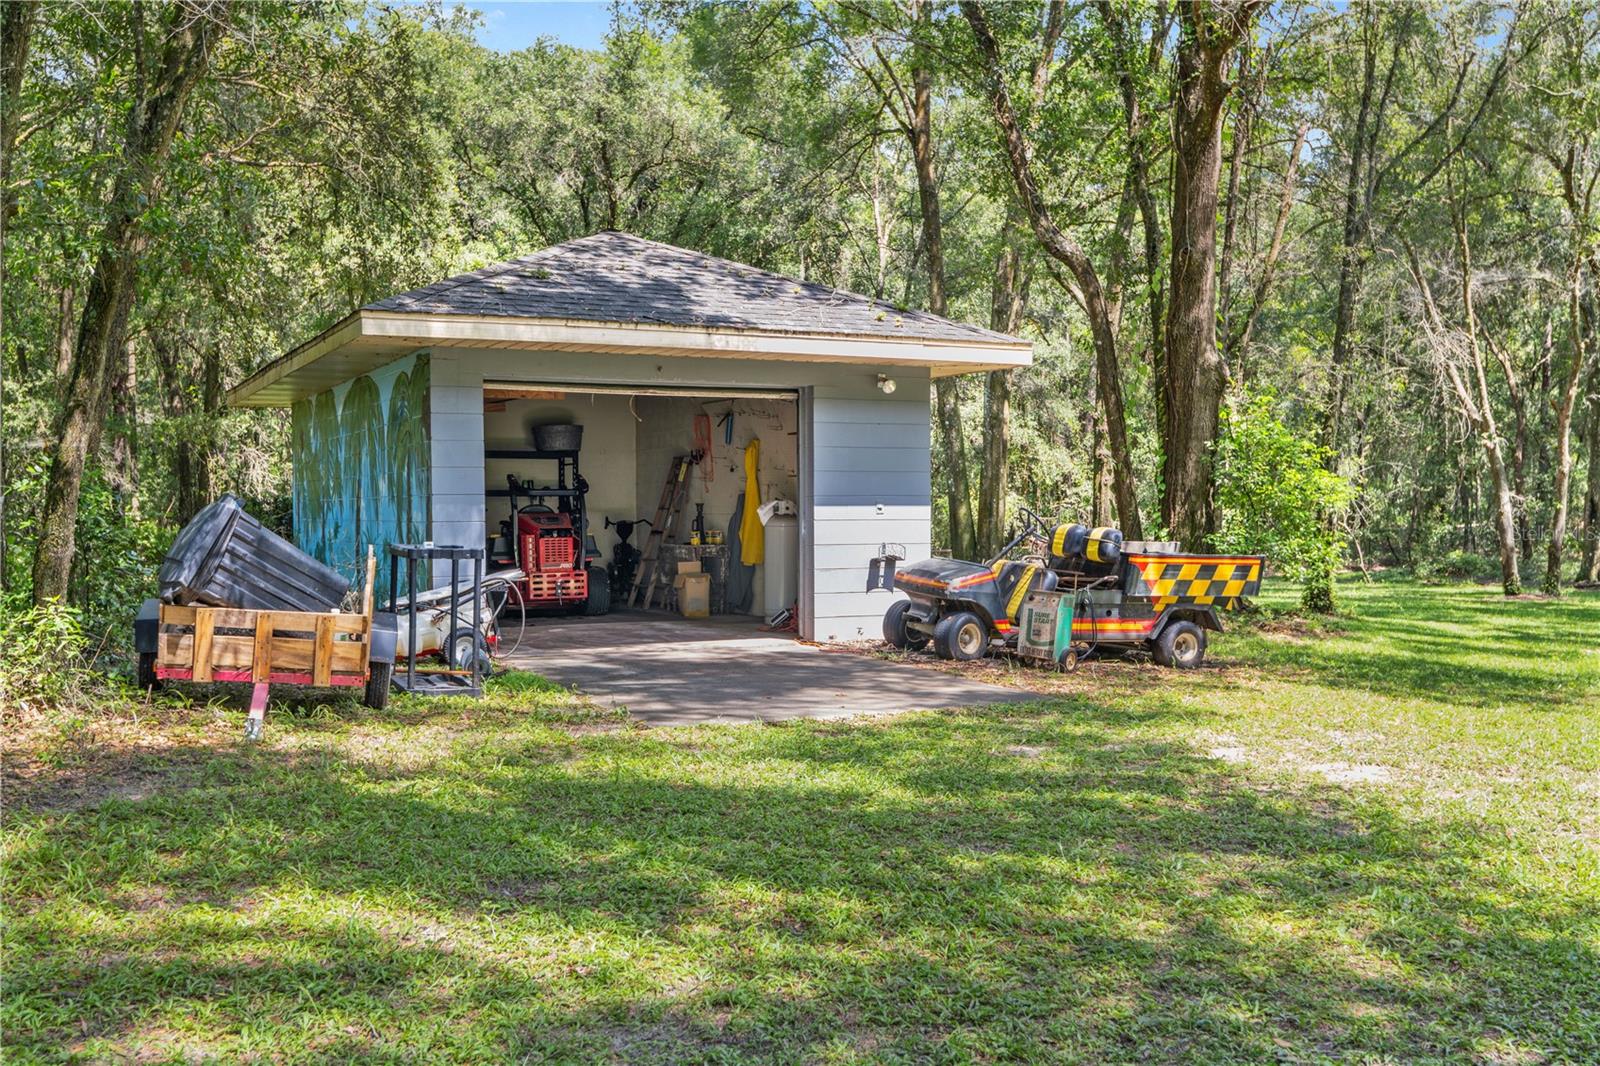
[366,340]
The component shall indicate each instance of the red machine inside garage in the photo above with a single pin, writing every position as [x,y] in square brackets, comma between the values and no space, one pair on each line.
[548,553]
[546,533]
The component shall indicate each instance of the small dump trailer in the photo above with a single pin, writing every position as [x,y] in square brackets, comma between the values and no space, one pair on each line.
[1069,591]
[204,645]
[241,604]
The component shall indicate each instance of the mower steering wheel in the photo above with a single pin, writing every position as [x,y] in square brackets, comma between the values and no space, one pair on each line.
[1038,525]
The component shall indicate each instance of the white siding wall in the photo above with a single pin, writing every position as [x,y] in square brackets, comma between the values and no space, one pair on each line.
[870,484]
[457,435]
[868,468]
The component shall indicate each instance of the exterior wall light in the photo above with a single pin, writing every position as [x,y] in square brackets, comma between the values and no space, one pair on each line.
[886,383]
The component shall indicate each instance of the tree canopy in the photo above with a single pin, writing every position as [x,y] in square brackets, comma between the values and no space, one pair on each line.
[1361,236]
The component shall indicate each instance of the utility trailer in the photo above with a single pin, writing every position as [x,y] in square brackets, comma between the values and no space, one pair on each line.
[320,649]
[1071,591]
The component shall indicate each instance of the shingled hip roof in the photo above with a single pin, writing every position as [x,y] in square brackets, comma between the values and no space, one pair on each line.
[617,277]
[617,294]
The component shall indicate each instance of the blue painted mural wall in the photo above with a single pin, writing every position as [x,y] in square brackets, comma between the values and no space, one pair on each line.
[362,466]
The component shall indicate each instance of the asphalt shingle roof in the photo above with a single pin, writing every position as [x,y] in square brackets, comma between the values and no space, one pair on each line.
[617,277]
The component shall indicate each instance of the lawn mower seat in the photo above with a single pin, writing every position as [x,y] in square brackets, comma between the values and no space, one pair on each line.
[1016,579]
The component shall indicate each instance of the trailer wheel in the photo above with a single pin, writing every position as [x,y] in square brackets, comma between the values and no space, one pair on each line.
[895,630]
[1069,661]
[147,672]
[961,636]
[378,678]
[1181,645]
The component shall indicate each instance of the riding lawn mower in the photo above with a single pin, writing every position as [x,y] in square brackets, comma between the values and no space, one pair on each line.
[1058,592]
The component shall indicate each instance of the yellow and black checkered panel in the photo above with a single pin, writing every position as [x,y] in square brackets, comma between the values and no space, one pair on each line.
[1216,580]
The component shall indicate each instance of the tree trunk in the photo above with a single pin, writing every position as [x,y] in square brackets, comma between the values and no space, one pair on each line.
[211,403]
[16,31]
[1589,568]
[1505,525]
[123,474]
[65,322]
[1565,405]
[1195,374]
[1239,348]
[1135,124]
[152,123]
[1231,212]
[1102,492]
[1471,396]
[188,466]
[1352,238]
[1008,299]
[1069,253]
[958,497]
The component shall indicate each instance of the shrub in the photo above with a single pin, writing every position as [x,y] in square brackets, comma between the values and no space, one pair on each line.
[117,559]
[43,666]
[1277,497]
[1457,566]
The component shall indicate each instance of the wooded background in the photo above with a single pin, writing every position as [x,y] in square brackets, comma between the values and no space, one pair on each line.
[1313,278]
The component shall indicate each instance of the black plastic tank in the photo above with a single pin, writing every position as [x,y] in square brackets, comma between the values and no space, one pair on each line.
[225,558]
[1077,547]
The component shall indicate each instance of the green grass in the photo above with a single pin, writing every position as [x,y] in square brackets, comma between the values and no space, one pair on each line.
[1377,841]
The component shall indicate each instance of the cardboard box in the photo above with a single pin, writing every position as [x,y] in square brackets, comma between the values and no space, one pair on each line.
[689,566]
[694,595]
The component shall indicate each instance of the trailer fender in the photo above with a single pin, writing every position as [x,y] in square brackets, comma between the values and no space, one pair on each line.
[147,628]
[385,635]
[1203,616]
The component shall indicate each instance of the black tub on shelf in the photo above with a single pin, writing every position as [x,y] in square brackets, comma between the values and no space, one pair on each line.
[561,438]
[226,558]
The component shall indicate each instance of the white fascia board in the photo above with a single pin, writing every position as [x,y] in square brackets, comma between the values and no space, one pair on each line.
[248,392]
[366,340]
[419,330]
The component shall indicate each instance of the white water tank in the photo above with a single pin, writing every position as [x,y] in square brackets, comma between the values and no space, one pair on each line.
[780,572]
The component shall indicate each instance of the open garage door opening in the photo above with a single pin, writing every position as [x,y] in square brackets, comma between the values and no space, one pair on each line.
[612,498]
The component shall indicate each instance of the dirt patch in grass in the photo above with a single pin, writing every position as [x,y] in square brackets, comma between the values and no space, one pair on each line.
[1293,627]
[129,753]
[1099,678]
[134,748]
[1345,773]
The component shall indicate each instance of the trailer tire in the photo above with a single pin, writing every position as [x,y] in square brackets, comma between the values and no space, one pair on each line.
[378,683]
[1182,645]
[897,633]
[598,601]
[147,678]
[961,636]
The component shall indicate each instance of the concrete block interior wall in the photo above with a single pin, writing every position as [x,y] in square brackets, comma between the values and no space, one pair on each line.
[666,429]
[607,460]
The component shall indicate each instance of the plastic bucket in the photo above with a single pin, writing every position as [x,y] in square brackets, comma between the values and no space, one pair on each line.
[558,438]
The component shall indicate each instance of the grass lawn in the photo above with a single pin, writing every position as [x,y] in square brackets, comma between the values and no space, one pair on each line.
[1376,842]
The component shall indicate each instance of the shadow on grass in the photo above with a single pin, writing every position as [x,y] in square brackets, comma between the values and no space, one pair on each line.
[1023,884]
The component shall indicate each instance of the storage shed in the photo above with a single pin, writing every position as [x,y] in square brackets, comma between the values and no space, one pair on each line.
[409,414]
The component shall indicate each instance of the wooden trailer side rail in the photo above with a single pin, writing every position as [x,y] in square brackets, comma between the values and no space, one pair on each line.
[205,644]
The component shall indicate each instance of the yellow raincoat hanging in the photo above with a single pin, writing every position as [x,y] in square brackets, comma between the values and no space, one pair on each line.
[752,535]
